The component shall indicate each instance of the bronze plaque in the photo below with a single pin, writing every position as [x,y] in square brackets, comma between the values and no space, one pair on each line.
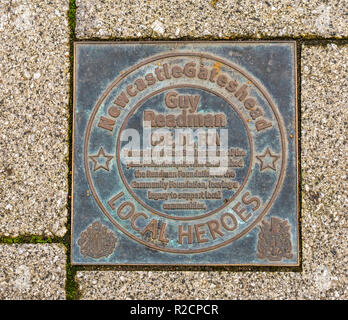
[185,153]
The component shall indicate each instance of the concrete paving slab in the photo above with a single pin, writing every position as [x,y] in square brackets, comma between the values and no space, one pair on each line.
[34,87]
[202,18]
[32,271]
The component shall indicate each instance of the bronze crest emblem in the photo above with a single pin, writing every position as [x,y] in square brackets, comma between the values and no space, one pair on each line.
[274,241]
[97,241]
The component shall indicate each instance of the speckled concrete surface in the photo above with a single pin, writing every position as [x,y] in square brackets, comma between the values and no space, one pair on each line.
[34,86]
[199,18]
[32,271]
[324,116]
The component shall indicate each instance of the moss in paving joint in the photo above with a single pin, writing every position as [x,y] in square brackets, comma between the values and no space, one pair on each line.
[34,239]
[71,287]
[72,17]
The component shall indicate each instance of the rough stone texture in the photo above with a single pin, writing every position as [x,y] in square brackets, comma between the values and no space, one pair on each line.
[32,271]
[200,18]
[324,116]
[34,86]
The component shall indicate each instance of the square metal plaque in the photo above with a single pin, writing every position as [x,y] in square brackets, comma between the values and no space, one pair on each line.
[185,153]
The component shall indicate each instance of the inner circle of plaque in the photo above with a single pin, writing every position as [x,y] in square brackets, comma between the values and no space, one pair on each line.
[279,126]
[239,136]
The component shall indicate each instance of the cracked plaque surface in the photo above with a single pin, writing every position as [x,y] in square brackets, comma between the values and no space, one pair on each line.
[185,153]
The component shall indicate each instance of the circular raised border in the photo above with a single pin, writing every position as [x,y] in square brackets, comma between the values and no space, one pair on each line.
[209,57]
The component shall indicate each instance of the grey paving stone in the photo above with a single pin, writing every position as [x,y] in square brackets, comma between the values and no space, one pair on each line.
[200,18]
[32,272]
[34,86]
[324,115]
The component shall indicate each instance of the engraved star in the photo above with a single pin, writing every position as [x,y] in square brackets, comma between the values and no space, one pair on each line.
[268,160]
[101,160]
